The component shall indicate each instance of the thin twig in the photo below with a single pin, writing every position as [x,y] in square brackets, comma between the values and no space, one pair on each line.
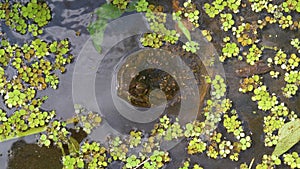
[142,163]
[251,163]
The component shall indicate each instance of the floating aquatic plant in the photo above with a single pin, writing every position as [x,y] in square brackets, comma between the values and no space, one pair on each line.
[246,33]
[157,160]
[232,123]
[289,90]
[250,83]
[167,130]
[186,165]
[285,21]
[152,39]
[268,161]
[90,154]
[293,62]
[87,120]
[194,129]
[121,4]
[229,50]
[135,138]
[207,35]
[258,6]
[264,99]
[296,44]
[142,6]
[196,145]
[132,161]
[292,159]
[23,18]
[118,150]
[227,21]
[293,81]
[218,6]
[254,54]
[191,46]
[191,13]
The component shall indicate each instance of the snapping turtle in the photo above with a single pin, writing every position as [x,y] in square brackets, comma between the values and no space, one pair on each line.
[143,72]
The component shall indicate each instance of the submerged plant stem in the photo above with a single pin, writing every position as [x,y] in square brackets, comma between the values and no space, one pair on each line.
[33,131]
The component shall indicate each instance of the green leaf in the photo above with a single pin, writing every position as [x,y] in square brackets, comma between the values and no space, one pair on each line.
[105,12]
[108,11]
[289,135]
[185,31]
[73,146]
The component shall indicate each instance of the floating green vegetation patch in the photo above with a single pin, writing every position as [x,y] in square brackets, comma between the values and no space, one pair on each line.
[36,68]
[30,17]
[202,137]
[27,69]
[241,41]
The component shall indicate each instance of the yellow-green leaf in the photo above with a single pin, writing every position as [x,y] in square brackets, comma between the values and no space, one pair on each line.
[184,30]
[288,136]
[73,145]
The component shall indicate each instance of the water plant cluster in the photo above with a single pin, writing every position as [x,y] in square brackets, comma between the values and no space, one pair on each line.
[191,13]
[296,44]
[250,83]
[277,118]
[293,81]
[92,154]
[292,159]
[229,50]
[28,68]
[218,6]
[56,133]
[139,149]
[227,21]
[30,17]
[254,54]
[241,41]
[186,165]
[161,34]
[246,33]
[34,71]
[289,64]
[186,18]
[247,36]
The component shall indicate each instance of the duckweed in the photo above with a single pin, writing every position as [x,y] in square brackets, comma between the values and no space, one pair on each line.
[23,18]
[227,21]
[254,55]
[292,159]
[229,50]
[265,100]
